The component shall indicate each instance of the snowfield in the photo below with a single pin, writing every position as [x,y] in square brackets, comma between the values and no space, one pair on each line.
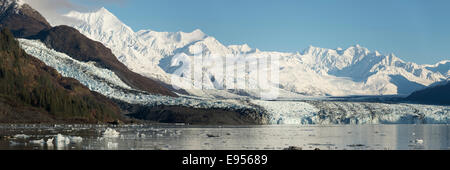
[312,72]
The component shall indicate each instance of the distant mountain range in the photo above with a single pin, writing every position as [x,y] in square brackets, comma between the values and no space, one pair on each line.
[313,72]
[98,69]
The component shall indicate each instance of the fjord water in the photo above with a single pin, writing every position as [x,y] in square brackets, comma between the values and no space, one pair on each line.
[272,137]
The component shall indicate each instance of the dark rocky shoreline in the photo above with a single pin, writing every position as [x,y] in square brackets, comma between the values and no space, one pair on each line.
[194,116]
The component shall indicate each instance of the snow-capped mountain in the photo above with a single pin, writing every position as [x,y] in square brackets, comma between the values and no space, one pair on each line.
[314,71]
[13,4]
[21,19]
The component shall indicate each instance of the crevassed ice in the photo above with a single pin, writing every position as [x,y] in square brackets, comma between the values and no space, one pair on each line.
[85,72]
[329,113]
[283,112]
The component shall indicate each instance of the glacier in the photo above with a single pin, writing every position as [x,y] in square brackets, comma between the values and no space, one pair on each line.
[313,72]
[107,83]
[315,112]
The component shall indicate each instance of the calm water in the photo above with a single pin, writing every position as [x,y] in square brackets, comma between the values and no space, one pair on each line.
[170,137]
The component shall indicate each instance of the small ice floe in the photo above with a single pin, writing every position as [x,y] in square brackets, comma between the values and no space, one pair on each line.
[140,135]
[50,141]
[38,142]
[61,140]
[12,143]
[418,141]
[75,139]
[110,133]
[112,145]
[21,136]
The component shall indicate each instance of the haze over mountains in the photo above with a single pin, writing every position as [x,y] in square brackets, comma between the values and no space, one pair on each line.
[313,72]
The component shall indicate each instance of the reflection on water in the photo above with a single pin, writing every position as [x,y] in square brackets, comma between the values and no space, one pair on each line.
[171,137]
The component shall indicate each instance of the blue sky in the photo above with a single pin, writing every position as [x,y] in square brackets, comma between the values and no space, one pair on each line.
[415,30]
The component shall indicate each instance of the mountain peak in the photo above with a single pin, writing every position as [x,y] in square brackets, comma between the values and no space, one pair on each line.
[21,19]
[103,10]
[6,4]
[100,13]
[101,18]
[359,47]
[198,31]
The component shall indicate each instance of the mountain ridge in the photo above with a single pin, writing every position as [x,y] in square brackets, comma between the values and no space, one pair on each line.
[25,22]
[21,19]
[353,71]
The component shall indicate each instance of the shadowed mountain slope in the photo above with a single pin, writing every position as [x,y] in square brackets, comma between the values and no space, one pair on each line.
[31,92]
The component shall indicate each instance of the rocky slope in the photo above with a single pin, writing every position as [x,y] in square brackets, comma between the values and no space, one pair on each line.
[21,19]
[26,22]
[439,94]
[31,92]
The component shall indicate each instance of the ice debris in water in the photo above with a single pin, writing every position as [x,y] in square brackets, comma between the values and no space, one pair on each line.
[61,139]
[110,133]
[50,141]
[21,136]
[112,145]
[41,141]
[419,141]
[75,139]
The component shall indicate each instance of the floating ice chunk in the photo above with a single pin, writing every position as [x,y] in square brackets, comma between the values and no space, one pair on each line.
[40,142]
[62,140]
[50,141]
[419,141]
[112,145]
[110,133]
[12,143]
[21,136]
[75,139]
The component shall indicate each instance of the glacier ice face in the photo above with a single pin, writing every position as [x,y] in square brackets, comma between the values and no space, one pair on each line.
[313,72]
[331,112]
[285,112]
